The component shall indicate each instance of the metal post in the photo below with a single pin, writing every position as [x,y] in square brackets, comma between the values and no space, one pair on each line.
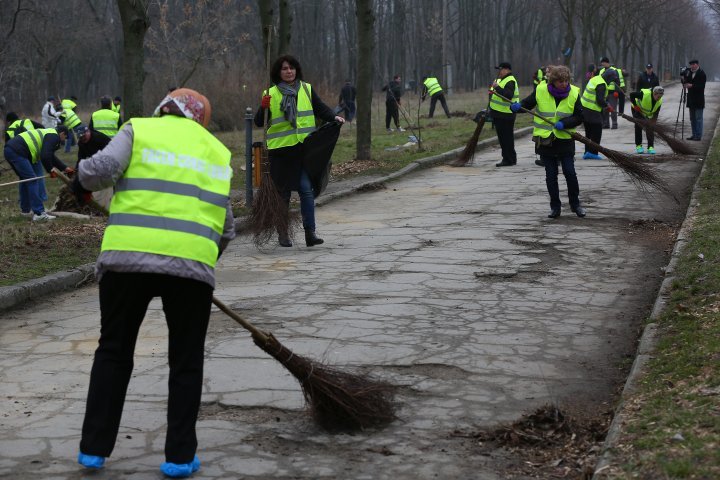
[248,157]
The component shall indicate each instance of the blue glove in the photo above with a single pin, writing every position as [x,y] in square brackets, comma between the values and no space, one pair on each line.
[559,126]
[515,107]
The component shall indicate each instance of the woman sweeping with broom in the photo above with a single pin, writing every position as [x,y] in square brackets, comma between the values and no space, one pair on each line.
[293,106]
[559,102]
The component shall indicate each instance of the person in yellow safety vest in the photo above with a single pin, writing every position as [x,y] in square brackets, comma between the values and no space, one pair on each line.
[646,105]
[614,91]
[594,103]
[538,76]
[14,125]
[28,153]
[170,219]
[117,104]
[106,120]
[70,119]
[557,102]
[293,105]
[502,116]
[432,87]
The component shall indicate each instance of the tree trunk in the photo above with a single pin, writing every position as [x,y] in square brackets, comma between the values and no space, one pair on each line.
[265,7]
[365,28]
[285,29]
[135,22]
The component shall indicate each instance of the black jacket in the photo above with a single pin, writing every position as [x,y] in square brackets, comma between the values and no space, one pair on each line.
[393,91]
[559,146]
[696,93]
[97,142]
[646,81]
[347,94]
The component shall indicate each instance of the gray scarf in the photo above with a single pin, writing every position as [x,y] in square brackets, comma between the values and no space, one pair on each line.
[288,105]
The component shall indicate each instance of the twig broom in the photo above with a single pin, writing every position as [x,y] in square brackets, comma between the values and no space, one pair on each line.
[469,151]
[338,400]
[662,131]
[639,173]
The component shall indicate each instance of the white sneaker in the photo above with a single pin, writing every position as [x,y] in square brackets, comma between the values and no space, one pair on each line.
[400,129]
[26,214]
[389,130]
[42,217]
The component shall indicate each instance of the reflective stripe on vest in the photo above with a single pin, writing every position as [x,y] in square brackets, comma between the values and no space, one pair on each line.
[281,133]
[19,126]
[645,104]
[68,104]
[70,119]
[549,110]
[589,96]
[34,140]
[432,85]
[106,121]
[172,199]
[500,105]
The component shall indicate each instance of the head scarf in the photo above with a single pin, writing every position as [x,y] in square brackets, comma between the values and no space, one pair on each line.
[187,103]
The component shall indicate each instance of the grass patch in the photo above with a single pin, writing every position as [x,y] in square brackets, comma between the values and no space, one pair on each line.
[29,250]
[674,420]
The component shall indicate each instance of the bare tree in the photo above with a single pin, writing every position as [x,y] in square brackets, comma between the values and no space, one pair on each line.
[366,44]
[135,22]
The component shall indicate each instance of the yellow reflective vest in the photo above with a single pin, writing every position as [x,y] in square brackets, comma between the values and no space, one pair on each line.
[19,126]
[589,96]
[549,110]
[34,140]
[500,105]
[105,121]
[115,108]
[645,104]
[432,85]
[281,133]
[172,199]
[621,78]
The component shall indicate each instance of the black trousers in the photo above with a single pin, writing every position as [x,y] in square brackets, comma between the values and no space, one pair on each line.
[391,112]
[434,99]
[504,128]
[124,299]
[593,131]
[639,131]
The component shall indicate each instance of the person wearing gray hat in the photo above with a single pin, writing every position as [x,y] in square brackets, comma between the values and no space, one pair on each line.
[646,106]
[694,82]
[647,79]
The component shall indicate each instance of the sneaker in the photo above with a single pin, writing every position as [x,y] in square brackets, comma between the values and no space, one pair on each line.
[180,470]
[651,150]
[42,217]
[26,214]
[639,149]
[389,130]
[91,461]
[400,129]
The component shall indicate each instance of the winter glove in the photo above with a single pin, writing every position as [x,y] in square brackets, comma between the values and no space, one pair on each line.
[82,196]
[515,107]
[265,104]
[616,94]
[69,171]
[636,108]
[610,108]
[559,126]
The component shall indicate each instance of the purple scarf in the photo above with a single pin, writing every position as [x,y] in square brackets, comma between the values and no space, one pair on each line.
[557,93]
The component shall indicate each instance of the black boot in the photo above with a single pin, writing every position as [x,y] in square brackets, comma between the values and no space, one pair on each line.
[284,240]
[312,239]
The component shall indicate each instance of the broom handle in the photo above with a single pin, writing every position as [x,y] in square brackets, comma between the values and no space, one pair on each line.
[245,324]
[22,181]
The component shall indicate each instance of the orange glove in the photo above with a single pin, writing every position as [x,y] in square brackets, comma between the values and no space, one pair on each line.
[265,103]
[69,171]
[636,108]
[610,109]
[53,174]
[616,94]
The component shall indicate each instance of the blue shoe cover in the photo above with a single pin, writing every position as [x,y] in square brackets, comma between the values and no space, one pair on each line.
[592,156]
[180,470]
[90,461]
[586,155]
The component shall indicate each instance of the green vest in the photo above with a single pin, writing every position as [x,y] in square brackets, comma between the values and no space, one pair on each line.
[34,140]
[547,109]
[115,108]
[281,133]
[70,119]
[105,121]
[589,96]
[539,76]
[172,198]
[500,105]
[19,126]
[621,78]
[68,104]
[432,85]
[645,104]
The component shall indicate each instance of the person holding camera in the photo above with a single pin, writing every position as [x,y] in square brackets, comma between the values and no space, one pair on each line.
[694,82]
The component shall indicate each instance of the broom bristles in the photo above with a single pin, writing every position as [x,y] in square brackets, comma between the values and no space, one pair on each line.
[469,151]
[664,132]
[339,400]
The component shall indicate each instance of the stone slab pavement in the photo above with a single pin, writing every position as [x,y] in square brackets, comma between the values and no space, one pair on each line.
[450,282]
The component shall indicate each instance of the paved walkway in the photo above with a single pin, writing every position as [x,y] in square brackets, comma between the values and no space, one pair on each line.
[450,282]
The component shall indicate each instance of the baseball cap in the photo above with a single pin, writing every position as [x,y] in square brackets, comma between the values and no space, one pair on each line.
[693,62]
[649,65]
[80,131]
[503,65]
[605,59]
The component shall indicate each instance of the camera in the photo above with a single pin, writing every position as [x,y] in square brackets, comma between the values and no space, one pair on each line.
[684,73]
